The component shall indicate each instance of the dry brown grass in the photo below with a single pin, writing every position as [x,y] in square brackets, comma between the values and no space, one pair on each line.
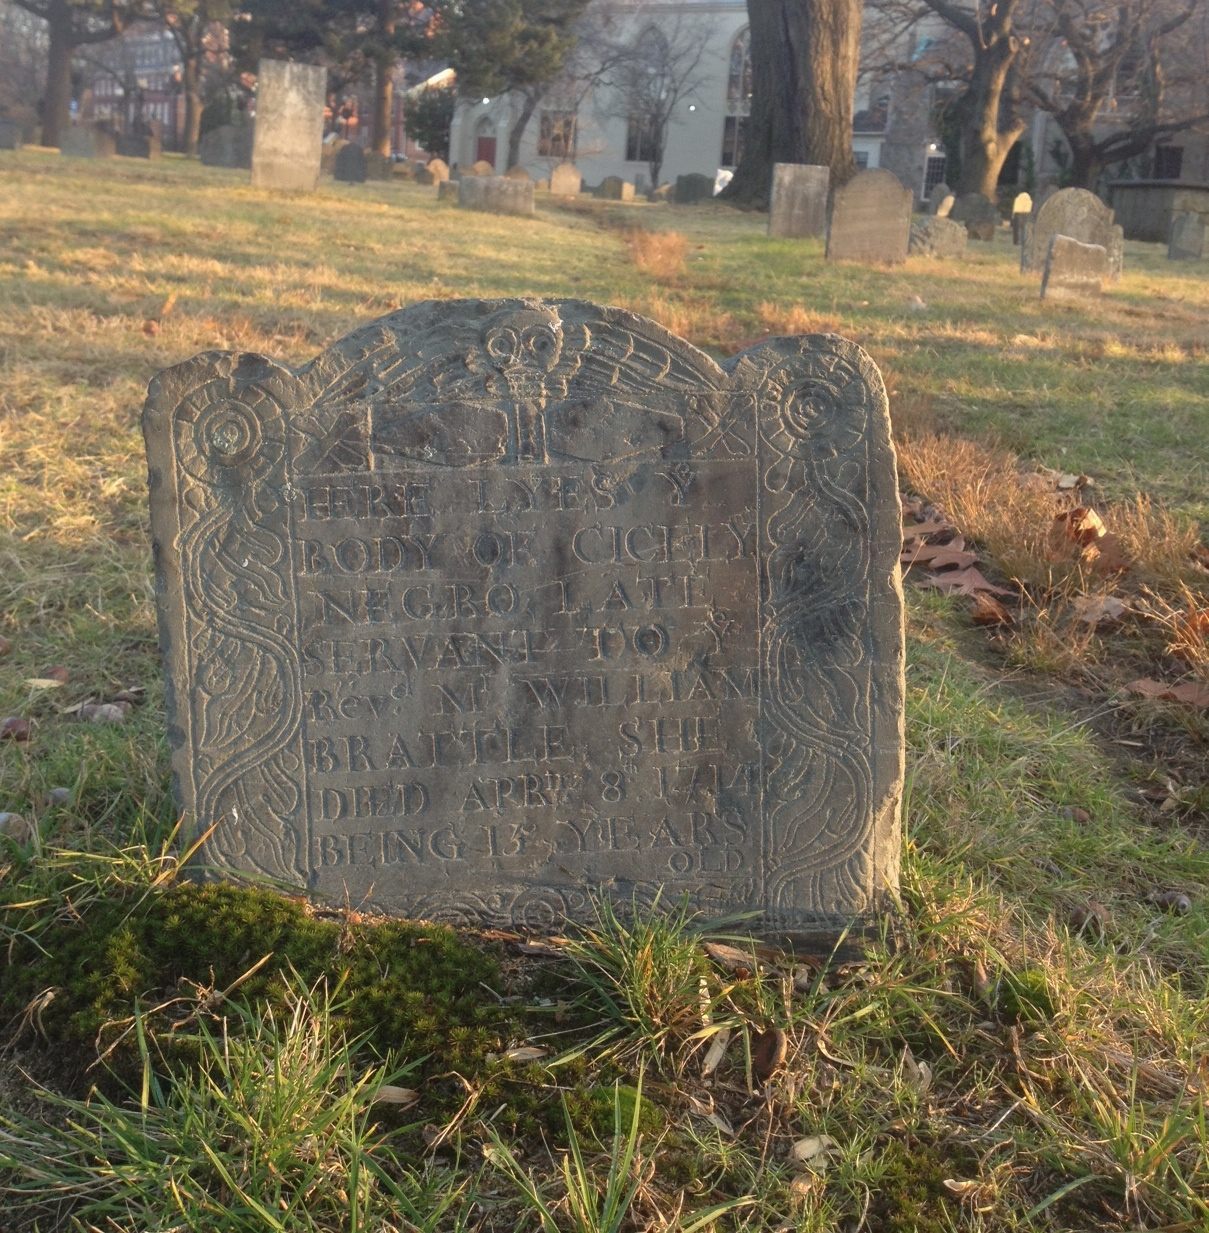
[657,253]
[695,317]
[782,319]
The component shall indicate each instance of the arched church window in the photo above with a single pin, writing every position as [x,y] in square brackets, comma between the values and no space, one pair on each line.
[738,99]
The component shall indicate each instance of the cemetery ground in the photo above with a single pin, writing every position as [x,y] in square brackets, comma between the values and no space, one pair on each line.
[1022,1046]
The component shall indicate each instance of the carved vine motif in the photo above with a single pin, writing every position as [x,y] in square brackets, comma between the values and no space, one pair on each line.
[244,702]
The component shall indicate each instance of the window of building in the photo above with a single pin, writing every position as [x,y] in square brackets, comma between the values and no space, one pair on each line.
[934,172]
[738,99]
[862,158]
[1168,162]
[556,135]
[640,141]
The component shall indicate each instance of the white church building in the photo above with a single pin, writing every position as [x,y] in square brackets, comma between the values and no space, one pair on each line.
[589,125]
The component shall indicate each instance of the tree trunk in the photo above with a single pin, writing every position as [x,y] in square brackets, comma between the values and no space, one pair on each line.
[804,57]
[1085,162]
[517,132]
[56,110]
[384,87]
[191,85]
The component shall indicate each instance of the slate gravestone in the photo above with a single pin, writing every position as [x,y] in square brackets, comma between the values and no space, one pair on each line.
[937,237]
[1072,212]
[937,195]
[1187,242]
[228,145]
[614,188]
[692,189]
[143,142]
[496,194]
[566,180]
[10,134]
[88,141]
[497,601]
[798,205]
[288,142]
[978,213]
[349,164]
[870,219]
[1073,269]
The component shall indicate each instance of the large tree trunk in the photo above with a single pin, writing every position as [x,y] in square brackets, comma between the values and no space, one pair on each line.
[517,132]
[984,144]
[191,84]
[804,57]
[384,87]
[56,112]
[1085,162]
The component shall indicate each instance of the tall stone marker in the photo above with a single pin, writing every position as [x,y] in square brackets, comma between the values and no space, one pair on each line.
[1022,209]
[1187,242]
[870,219]
[88,141]
[288,142]
[1077,214]
[496,602]
[798,205]
[566,180]
[1073,269]
[349,164]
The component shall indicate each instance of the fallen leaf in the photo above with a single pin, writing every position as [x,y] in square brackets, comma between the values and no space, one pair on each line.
[43,682]
[389,1094]
[1073,531]
[1091,918]
[812,1151]
[938,556]
[104,712]
[964,582]
[987,610]
[1099,609]
[5,645]
[1107,554]
[934,524]
[768,1050]
[521,1053]
[716,1051]
[917,1074]
[1192,693]
[1067,482]
[168,305]
[735,960]
[14,728]
[57,673]
[1075,814]
[151,328]
[136,695]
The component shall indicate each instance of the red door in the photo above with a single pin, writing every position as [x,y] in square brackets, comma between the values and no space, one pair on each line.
[484,150]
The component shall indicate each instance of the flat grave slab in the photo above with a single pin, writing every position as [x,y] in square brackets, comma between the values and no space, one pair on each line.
[497,602]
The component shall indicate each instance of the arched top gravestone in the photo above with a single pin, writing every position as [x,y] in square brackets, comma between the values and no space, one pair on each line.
[1073,212]
[497,602]
[870,219]
[349,164]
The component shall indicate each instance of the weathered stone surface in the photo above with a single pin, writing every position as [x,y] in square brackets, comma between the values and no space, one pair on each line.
[480,168]
[1022,203]
[566,180]
[10,134]
[1073,269]
[937,237]
[145,143]
[1187,241]
[496,194]
[229,145]
[518,173]
[980,216]
[1072,212]
[288,142]
[937,195]
[870,219]
[614,188]
[435,171]
[349,164]
[88,141]
[944,207]
[798,205]
[447,190]
[496,602]
[1116,252]
[693,188]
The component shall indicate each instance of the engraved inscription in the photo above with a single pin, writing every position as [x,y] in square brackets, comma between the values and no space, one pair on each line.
[498,602]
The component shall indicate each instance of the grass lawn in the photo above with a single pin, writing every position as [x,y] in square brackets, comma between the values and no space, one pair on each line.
[1026,1048]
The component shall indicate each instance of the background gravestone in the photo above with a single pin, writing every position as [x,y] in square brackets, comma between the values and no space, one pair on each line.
[566,180]
[10,134]
[937,195]
[1072,212]
[517,173]
[1022,208]
[378,166]
[228,145]
[980,216]
[937,237]
[691,189]
[480,167]
[798,204]
[614,188]
[288,140]
[496,194]
[870,219]
[88,141]
[349,164]
[498,601]
[1073,269]
[435,171]
[1187,241]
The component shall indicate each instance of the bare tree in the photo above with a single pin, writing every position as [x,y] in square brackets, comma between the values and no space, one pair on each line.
[22,62]
[649,73]
[805,55]
[1117,79]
